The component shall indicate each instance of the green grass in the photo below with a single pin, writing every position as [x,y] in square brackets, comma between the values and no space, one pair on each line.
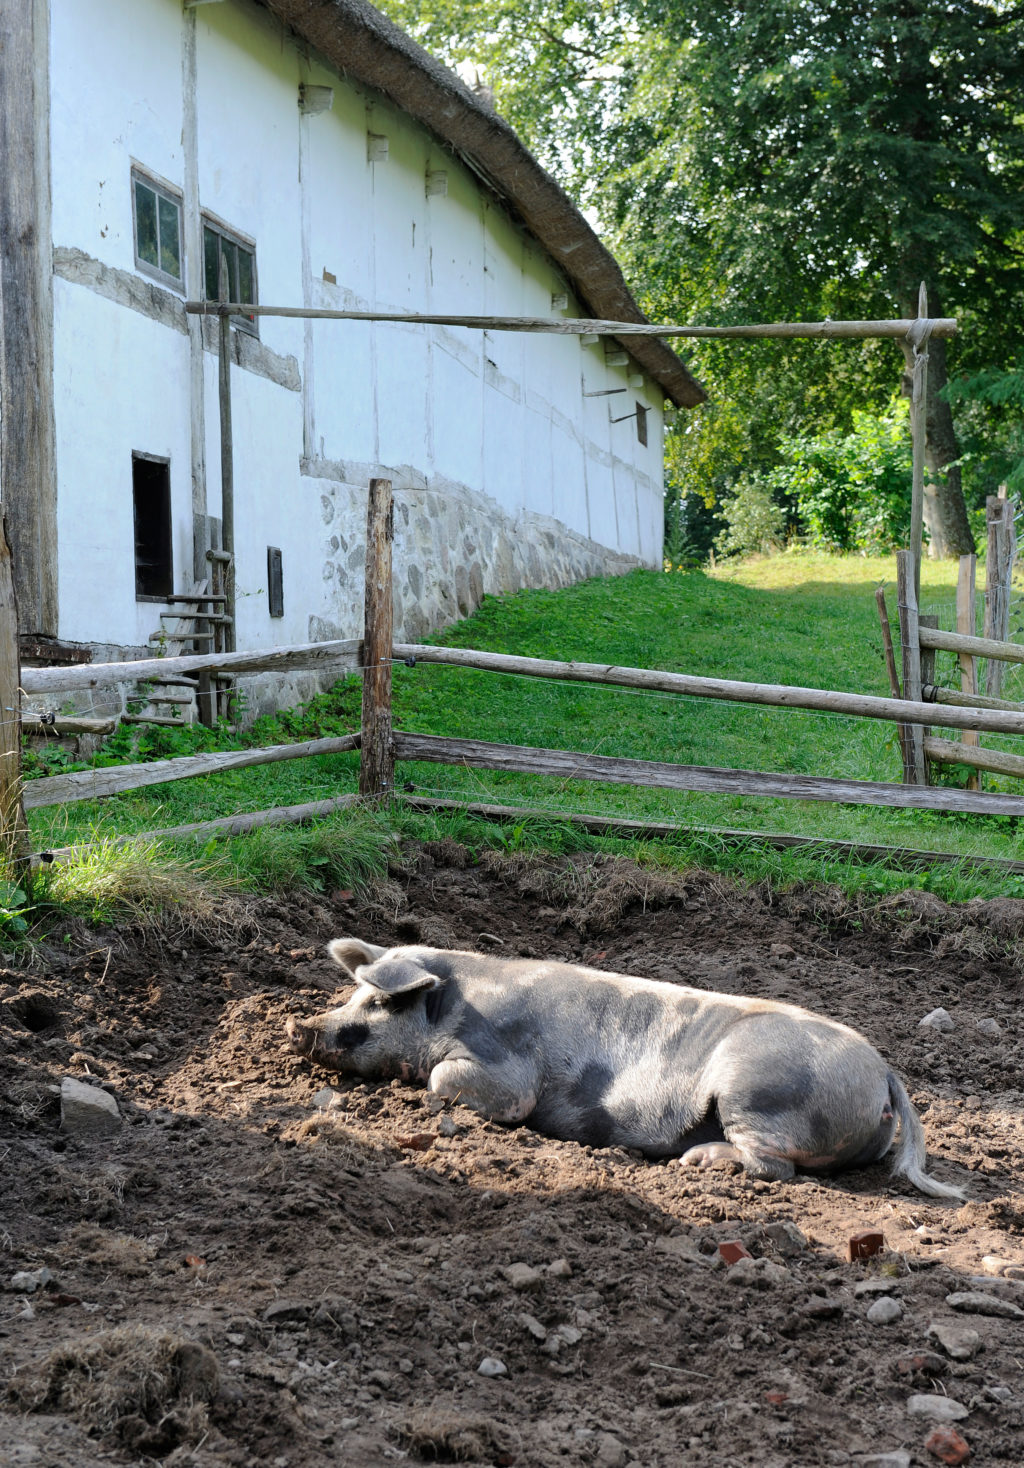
[798,618]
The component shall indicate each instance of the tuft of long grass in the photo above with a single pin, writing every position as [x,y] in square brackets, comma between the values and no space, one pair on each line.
[351,851]
[137,882]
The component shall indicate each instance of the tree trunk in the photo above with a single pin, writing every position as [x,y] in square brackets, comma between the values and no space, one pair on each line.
[945,513]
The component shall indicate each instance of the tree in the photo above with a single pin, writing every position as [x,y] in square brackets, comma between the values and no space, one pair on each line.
[759,158]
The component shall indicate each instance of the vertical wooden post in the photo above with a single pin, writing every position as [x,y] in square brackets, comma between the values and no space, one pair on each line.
[1002,545]
[227,460]
[910,643]
[894,677]
[14,842]
[377,753]
[919,431]
[965,623]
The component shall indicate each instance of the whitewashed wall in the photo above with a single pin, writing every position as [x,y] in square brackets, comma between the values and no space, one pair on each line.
[506,473]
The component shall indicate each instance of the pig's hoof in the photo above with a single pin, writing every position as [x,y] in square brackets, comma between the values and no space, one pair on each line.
[713,1154]
[301,1038]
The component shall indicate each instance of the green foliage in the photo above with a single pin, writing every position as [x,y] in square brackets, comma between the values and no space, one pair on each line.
[14,904]
[851,491]
[993,400]
[754,523]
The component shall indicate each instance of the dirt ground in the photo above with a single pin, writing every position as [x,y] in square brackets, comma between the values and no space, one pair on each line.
[253,1269]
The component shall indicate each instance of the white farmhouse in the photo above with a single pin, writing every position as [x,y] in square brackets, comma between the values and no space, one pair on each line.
[305,153]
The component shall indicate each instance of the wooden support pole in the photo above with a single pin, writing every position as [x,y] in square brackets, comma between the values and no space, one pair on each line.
[910,644]
[929,619]
[1002,545]
[14,842]
[377,754]
[954,698]
[981,647]
[894,677]
[965,624]
[227,464]
[919,429]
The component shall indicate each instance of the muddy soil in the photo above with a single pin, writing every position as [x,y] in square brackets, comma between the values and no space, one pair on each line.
[267,1265]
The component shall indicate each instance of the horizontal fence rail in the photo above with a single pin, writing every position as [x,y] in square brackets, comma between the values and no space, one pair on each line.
[861,705]
[113,779]
[266,660]
[518,759]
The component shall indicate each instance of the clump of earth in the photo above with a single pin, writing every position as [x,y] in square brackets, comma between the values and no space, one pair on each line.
[229,1255]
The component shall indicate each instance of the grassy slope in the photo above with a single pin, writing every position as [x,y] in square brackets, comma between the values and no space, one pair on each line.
[799,618]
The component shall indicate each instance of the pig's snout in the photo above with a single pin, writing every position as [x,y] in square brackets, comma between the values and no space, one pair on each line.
[301,1038]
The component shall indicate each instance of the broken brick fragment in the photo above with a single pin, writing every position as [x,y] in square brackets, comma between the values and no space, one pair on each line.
[864,1244]
[947,1445]
[732,1250]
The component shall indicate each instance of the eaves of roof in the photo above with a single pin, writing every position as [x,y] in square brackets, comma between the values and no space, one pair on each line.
[364,45]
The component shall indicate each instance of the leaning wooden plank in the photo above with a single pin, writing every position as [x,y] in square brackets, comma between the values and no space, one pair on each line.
[221,829]
[585,326]
[33,723]
[92,784]
[267,660]
[660,830]
[566,765]
[980,647]
[862,705]
[953,752]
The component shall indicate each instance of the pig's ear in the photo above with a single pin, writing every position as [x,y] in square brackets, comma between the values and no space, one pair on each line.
[350,953]
[399,976]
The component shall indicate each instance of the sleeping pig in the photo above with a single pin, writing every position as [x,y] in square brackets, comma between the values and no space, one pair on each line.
[609,1060]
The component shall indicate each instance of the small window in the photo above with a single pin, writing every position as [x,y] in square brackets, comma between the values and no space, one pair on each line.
[151,493]
[157,229]
[275,581]
[239,261]
[641,423]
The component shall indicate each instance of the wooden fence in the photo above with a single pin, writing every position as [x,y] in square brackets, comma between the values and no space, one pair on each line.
[917,706]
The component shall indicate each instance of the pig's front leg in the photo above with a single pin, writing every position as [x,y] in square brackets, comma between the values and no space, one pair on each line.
[501,1090]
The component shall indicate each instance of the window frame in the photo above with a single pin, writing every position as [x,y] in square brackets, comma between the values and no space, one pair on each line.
[161,188]
[224,231]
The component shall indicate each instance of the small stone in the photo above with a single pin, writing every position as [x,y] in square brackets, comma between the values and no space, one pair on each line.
[990,1027]
[959,1342]
[569,1334]
[681,1247]
[899,1459]
[327,1099]
[782,950]
[973,1302]
[447,1126]
[820,1308]
[522,1276]
[531,1324]
[921,1363]
[405,1366]
[347,1423]
[610,1452]
[947,1444]
[875,1287]
[786,1237]
[999,1393]
[287,1312]
[939,1408]
[27,1281]
[864,1245]
[491,1366]
[992,1265]
[885,1311]
[937,1019]
[87,1111]
[559,1269]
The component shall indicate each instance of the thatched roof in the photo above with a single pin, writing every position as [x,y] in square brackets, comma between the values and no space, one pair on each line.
[364,45]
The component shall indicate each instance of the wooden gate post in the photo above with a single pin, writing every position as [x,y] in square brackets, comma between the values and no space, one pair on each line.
[377,752]
[910,643]
[1002,545]
[14,842]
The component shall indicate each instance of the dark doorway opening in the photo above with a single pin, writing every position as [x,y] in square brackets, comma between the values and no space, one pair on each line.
[151,494]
